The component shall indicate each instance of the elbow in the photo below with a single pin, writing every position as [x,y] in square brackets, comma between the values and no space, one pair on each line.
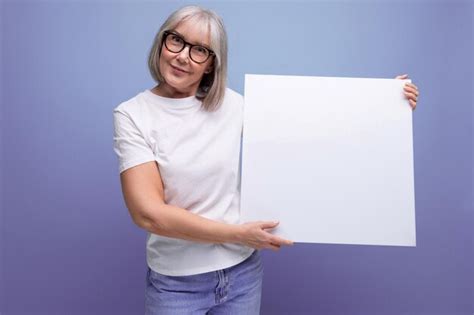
[148,225]
[139,221]
[149,221]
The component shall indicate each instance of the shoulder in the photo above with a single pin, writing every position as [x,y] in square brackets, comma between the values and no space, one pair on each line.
[131,113]
[130,107]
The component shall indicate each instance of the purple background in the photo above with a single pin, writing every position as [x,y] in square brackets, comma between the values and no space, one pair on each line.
[68,244]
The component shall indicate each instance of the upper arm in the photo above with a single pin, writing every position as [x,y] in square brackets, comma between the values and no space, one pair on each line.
[130,145]
[142,186]
[142,190]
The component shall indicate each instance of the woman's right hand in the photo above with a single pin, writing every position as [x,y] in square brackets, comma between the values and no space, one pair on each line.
[253,234]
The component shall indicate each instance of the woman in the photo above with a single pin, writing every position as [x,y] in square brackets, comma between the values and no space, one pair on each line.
[178,146]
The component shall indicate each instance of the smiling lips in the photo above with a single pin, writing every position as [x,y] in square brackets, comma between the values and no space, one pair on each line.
[178,69]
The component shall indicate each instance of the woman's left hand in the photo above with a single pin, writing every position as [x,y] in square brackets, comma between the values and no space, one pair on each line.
[411,91]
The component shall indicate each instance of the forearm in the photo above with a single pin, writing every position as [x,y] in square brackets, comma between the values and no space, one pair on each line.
[172,221]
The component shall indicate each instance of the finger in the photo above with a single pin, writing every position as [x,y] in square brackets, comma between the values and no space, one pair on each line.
[412,104]
[273,247]
[269,225]
[408,89]
[412,85]
[411,89]
[411,96]
[401,76]
[280,241]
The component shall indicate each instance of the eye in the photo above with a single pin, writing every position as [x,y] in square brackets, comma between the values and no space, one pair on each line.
[175,38]
[200,49]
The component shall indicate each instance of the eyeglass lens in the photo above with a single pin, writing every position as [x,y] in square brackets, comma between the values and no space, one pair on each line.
[175,44]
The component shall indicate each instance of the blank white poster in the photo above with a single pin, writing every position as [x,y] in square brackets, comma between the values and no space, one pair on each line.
[331,158]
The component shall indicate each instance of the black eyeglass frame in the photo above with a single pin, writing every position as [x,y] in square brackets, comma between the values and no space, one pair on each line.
[167,33]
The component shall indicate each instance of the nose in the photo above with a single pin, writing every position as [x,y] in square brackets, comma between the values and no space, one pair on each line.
[183,55]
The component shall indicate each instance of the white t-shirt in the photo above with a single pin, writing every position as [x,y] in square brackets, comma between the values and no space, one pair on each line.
[198,157]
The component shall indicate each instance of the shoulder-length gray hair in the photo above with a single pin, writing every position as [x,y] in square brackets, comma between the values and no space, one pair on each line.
[212,87]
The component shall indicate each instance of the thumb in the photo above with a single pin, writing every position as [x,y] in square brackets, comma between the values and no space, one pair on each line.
[403,76]
[269,224]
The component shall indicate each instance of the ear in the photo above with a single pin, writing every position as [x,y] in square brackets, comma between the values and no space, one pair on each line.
[208,70]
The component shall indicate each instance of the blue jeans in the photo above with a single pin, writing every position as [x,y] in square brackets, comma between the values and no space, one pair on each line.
[234,290]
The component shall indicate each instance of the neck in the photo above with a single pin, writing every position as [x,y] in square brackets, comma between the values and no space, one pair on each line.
[166,90]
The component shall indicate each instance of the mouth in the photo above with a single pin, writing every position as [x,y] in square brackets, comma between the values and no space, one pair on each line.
[178,69]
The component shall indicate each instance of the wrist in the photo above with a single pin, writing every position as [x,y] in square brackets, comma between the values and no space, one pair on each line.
[235,234]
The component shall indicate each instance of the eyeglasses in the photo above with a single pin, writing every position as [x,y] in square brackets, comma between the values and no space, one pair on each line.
[175,43]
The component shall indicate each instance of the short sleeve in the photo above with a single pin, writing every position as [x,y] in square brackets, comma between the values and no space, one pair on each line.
[129,144]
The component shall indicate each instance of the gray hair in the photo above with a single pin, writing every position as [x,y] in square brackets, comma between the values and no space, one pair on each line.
[212,87]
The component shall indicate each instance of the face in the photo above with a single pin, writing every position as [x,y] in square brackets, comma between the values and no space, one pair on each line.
[182,75]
